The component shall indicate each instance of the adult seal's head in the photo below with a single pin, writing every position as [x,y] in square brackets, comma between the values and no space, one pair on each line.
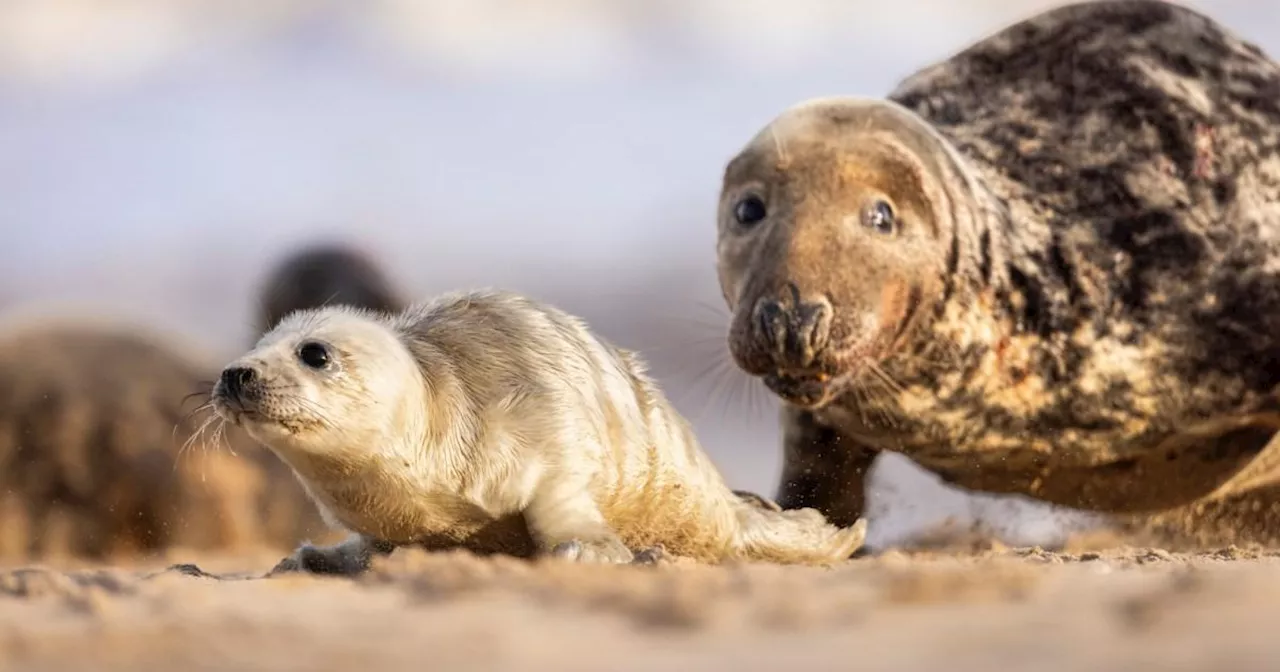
[837,226]
[328,274]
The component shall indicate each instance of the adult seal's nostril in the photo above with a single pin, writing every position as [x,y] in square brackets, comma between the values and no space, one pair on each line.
[771,320]
[813,321]
[235,379]
[797,330]
[808,328]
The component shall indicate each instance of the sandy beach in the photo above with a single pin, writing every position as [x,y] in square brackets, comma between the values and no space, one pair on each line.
[974,608]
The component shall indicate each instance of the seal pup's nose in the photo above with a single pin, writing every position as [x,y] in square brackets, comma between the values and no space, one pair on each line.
[797,328]
[236,379]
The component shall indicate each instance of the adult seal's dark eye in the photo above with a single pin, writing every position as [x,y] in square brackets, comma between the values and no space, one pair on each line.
[750,211]
[314,355]
[880,218]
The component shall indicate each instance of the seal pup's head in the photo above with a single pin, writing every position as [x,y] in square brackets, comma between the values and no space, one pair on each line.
[835,227]
[324,275]
[334,384]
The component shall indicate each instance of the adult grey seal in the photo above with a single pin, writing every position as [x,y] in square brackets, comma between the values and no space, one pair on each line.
[1048,265]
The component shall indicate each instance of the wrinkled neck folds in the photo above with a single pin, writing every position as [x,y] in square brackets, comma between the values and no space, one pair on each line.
[972,308]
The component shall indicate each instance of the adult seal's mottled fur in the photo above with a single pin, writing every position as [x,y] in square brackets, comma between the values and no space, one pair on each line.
[93,420]
[1049,265]
[324,275]
[487,421]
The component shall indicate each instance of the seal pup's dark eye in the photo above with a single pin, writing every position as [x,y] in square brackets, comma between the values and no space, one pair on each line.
[314,355]
[879,216]
[750,211]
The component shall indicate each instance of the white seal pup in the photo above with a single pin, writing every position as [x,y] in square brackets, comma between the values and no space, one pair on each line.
[488,421]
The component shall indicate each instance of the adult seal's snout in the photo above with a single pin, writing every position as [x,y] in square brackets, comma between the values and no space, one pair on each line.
[795,329]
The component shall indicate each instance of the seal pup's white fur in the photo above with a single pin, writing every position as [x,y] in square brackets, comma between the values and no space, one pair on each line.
[488,421]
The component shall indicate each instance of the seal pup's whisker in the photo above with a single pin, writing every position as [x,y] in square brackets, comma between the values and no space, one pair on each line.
[205,388]
[220,437]
[197,435]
